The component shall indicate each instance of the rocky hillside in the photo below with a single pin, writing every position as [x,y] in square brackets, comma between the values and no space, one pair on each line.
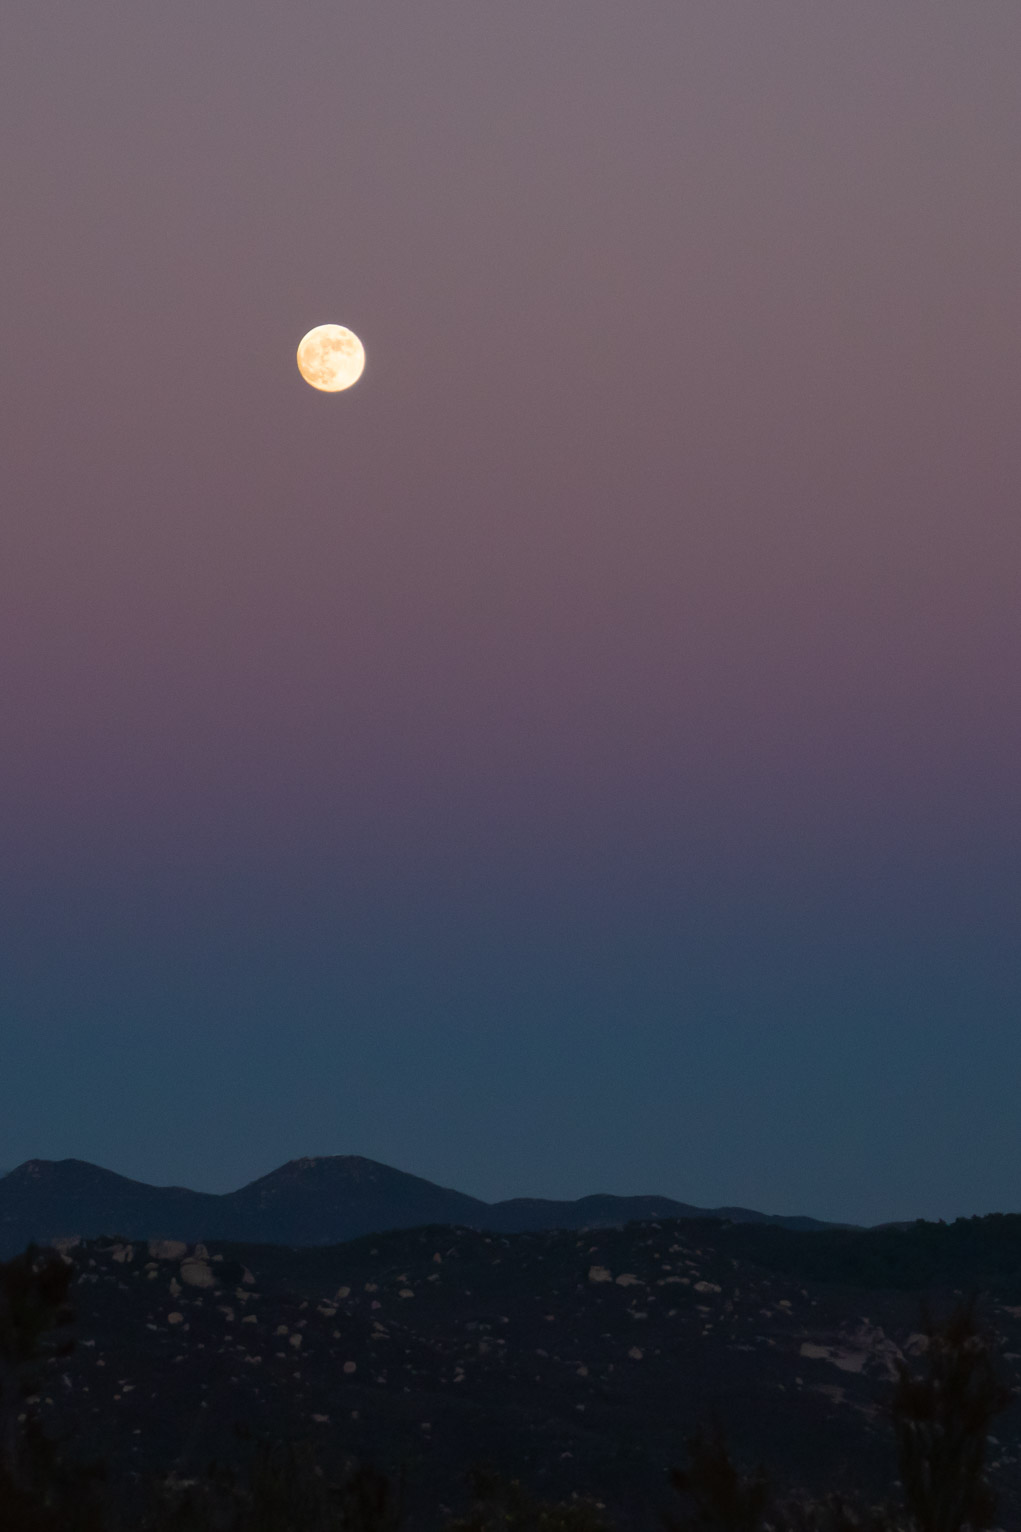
[576,1360]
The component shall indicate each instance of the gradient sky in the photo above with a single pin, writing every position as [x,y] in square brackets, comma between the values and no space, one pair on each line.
[585,756]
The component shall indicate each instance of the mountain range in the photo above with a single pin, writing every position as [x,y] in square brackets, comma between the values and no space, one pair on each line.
[310,1201]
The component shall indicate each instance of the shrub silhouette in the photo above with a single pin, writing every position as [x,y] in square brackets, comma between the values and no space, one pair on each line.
[723,1499]
[285,1491]
[720,1498]
[835,1513]
[504,1505]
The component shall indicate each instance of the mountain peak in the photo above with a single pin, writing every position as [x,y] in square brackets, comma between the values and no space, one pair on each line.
[310,1200]
[340,1169]
[68,1172]
[348,1163]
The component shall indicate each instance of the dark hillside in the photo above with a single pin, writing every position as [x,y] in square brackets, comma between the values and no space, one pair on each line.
[574,1360]
[982,1251]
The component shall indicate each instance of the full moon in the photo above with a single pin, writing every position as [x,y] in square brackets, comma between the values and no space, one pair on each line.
[331,358]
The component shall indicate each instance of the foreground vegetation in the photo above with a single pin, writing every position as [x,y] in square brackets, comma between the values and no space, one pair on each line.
[940,1418]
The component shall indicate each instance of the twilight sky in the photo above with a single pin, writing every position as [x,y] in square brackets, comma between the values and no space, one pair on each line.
[583,757]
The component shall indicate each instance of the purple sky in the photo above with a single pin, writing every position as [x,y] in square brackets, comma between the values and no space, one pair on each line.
[584,756]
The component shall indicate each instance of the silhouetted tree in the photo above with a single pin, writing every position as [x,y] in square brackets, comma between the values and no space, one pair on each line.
[38,1490]
[33,1305]
[941,1421]
[370,1502]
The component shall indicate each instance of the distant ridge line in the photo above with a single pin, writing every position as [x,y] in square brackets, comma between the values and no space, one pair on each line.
[312,1200]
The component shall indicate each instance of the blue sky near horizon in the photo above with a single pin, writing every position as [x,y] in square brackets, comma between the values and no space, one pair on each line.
[583,757]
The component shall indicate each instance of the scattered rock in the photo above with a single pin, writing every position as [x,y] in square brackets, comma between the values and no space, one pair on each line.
[167,1249]
[197,1273]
